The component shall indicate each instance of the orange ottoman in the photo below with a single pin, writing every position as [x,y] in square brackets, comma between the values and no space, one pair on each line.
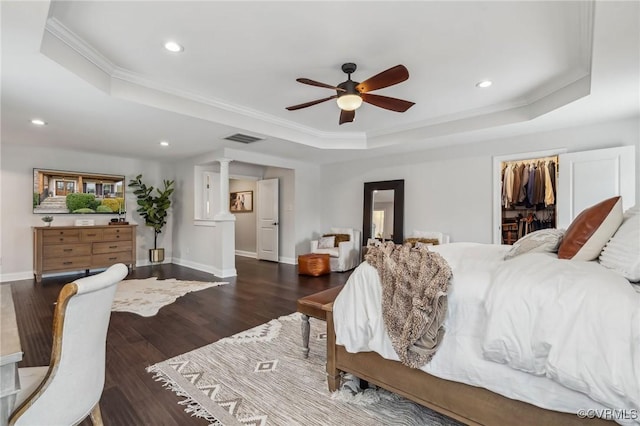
[313,264]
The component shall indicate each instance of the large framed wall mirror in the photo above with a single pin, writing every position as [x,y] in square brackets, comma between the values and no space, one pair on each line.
[383,216]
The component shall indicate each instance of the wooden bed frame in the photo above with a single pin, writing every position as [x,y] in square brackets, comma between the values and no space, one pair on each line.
[468,404]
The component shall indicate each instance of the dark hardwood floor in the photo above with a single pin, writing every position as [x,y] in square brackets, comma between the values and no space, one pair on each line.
[261,291]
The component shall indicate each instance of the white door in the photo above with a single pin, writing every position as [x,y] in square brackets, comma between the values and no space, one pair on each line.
[268,217]
[588,177]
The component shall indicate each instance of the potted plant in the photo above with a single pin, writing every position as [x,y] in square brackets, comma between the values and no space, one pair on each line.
[153,209]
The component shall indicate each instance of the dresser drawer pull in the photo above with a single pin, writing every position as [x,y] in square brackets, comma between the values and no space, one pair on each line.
[67,263]
[113,246]
[117,236]
[91,235]
[68,250]
[61,239]
[112,258]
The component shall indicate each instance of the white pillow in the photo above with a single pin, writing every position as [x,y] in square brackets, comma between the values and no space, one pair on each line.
[326,242]
[544,240]
[622,252]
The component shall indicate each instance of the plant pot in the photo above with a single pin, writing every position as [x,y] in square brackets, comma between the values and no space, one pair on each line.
[156,255]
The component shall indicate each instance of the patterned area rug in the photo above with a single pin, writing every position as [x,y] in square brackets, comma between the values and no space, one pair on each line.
[259,377]
[146,297]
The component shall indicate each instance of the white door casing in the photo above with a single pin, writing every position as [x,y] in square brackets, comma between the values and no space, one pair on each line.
[268,219]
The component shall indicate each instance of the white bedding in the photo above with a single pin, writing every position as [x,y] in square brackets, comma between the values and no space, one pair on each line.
[578,323]
[359,327]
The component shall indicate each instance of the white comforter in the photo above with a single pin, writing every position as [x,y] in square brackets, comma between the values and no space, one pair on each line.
[478,270]
[578,323]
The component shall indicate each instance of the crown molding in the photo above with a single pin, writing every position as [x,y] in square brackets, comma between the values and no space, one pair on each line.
[526,107]
[73,41]
[68,37]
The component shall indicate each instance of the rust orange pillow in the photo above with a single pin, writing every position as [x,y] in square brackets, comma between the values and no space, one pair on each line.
[591,230]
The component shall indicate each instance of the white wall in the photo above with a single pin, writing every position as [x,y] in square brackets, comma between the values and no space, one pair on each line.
[192,245]
[446,189]
[450,189]
[299,204]
[245,222]
[17,164]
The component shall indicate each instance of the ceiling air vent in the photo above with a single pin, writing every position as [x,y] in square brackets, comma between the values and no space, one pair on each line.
[239,137]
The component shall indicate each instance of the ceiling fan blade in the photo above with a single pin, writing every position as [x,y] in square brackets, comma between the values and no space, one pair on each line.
[386,102]
[347,116]
[318,84]
[308,104]
[387,78]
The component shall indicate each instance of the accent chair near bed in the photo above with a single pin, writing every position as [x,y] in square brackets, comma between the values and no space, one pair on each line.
[342,245]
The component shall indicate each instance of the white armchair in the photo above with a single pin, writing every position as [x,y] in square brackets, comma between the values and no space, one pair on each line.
[347,255]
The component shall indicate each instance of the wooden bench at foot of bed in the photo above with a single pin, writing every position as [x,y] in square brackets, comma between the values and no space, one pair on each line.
[468,404]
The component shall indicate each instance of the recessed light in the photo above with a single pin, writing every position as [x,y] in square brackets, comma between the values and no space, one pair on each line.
[174,47]
[38,122]
[164,143]
[484,83]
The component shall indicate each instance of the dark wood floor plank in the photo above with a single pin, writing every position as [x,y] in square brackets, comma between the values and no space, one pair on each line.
[262,291]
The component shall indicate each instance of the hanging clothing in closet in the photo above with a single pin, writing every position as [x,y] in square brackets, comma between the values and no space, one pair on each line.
[529,183]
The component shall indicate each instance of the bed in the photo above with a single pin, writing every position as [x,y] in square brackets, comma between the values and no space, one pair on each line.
[519,344]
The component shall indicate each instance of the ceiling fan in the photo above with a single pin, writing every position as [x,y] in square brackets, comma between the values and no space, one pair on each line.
[350,94]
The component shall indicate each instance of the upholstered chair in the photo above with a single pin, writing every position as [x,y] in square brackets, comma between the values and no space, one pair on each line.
[69,389]
[346,254]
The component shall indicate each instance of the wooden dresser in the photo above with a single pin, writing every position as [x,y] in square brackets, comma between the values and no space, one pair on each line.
[71,248]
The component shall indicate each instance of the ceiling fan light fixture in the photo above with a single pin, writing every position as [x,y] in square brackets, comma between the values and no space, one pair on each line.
[349,102]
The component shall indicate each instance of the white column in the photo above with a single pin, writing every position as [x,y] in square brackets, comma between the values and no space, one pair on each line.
[224,247]
[224,212]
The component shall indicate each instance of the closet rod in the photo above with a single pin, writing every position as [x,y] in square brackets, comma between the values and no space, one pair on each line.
[532,160]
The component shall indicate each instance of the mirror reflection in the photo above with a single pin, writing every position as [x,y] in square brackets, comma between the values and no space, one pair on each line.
[382,214]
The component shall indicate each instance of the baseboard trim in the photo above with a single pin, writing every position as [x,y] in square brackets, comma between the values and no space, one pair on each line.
[288,260]
[17,276]
[220,273]
[250,254]
[28,275]
[146,262]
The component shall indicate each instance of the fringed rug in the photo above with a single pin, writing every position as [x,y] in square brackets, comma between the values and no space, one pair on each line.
[146,297]
[259,377]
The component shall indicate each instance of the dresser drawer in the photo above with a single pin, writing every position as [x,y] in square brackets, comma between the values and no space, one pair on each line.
[59,236]
[75,262]
[89,235]
[111,258]
[117,233]
[66,250]
[112,247]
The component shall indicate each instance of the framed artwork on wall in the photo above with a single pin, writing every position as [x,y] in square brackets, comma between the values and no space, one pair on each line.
[241,202]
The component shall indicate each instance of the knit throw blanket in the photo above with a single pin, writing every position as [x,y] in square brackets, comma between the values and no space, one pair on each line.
[414,299]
